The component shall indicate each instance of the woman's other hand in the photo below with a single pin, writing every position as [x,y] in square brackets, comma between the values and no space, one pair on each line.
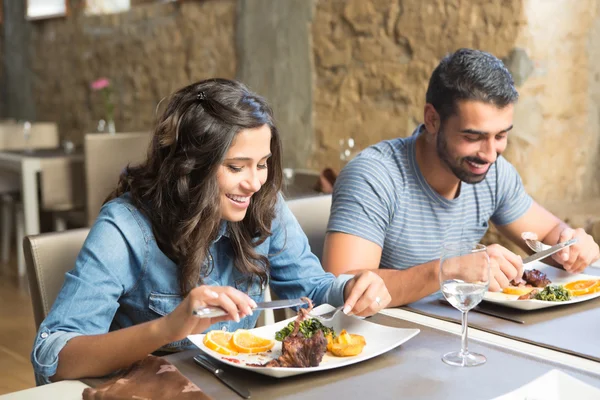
[365,294]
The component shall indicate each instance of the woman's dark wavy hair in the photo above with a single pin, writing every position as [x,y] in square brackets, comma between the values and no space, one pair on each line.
[176,187]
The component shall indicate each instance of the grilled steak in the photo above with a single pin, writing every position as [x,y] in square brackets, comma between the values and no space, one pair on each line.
[298,351]
[536,278]
[533,278]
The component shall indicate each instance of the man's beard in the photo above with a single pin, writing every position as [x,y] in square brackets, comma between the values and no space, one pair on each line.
[457,169]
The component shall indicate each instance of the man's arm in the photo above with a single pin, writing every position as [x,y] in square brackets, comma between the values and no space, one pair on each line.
[345,253]
[551,230]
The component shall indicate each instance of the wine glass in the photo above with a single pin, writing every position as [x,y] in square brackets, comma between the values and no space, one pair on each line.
[464,280]
[347,150]
[27,136]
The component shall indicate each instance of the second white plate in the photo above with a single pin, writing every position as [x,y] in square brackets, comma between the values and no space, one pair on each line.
[557,276]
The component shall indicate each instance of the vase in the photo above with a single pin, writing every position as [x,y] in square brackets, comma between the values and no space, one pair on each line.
[111,127]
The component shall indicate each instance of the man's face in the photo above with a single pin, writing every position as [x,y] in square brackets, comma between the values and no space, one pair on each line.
[470,141]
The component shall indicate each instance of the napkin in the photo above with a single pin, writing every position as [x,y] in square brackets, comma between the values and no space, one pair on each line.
[152,378]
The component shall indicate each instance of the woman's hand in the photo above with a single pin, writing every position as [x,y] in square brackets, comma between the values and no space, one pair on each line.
[365,294]
[181,322]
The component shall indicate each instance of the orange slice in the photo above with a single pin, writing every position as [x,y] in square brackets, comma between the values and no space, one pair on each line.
[220,342]
[519,291]
[579,288]
[245,342]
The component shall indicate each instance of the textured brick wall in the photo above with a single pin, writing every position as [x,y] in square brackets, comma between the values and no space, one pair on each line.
[147,53]
[373,59]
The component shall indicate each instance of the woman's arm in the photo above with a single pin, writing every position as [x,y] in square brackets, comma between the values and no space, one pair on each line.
[99,355]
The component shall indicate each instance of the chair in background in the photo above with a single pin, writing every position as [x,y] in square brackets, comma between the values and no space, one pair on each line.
[106,155]
[49,257]
[18,136]
[62,184]
[313,215]
[36,135]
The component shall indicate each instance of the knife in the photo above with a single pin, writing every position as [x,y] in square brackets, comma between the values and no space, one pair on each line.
[211,312]
[222,376]
[550,251]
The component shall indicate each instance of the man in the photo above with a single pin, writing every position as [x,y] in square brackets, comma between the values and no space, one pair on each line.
[398,201]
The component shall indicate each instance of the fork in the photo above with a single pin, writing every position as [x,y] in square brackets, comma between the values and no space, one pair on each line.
[532,242]
[327,316]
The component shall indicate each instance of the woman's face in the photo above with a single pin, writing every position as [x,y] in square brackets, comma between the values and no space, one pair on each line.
[243,171]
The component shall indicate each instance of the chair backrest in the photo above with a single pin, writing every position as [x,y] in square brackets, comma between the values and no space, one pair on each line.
[62,184]
[43,135]
[48,257]
[106,155]
[313,214]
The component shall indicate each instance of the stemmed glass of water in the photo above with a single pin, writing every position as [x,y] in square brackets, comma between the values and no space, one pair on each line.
[464,279]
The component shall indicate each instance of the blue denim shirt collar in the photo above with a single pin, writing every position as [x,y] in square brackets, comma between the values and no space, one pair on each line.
[223,231]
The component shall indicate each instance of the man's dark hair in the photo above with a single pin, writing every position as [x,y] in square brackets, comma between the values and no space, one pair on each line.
[470,74]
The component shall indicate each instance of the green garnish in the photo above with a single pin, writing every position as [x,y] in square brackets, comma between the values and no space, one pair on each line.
[554,293]
[308,327]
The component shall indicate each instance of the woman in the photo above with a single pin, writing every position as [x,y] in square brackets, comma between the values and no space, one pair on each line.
[200,222]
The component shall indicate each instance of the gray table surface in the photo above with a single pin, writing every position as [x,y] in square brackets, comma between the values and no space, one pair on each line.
[572,329]
[412,371]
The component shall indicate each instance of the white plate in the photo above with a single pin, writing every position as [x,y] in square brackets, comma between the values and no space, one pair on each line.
[554,385]
[557,276]
[380,339]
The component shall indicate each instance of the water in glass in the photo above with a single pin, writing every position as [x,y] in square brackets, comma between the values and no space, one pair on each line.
[464,279]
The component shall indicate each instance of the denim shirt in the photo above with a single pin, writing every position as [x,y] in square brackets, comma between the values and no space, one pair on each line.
[121,278]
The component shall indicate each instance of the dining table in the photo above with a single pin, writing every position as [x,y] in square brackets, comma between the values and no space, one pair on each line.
[412,371]
[29,164]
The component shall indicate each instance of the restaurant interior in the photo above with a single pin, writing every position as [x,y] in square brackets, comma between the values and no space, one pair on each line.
[82,83]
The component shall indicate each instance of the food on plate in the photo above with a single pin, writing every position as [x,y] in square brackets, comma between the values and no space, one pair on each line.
[220,342]
[549,293]
[532,279]
[241,341]
[308,328]
[346,344]
[246,342]
[517,290]
[536,278]
[298,351]
[583,287]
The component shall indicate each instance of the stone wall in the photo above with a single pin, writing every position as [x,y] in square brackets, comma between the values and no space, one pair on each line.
[147,53]
[555,142]
[373,59]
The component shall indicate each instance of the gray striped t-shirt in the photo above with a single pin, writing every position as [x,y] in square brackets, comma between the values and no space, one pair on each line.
[382,196]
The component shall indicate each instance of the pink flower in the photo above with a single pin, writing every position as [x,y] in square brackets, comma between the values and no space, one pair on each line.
[100,84]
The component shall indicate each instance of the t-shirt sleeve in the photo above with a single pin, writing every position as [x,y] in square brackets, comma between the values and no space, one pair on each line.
[363,200]
[512,199]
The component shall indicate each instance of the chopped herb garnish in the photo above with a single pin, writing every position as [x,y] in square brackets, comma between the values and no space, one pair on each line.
[554,293]
[308,328]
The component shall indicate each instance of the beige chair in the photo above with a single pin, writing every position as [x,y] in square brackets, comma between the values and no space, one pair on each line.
[62,184]
[106,155]
[313,214]
[49,257]
[41,135]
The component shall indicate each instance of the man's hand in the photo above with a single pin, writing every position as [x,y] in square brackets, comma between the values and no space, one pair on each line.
[578,256]
[505,266]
